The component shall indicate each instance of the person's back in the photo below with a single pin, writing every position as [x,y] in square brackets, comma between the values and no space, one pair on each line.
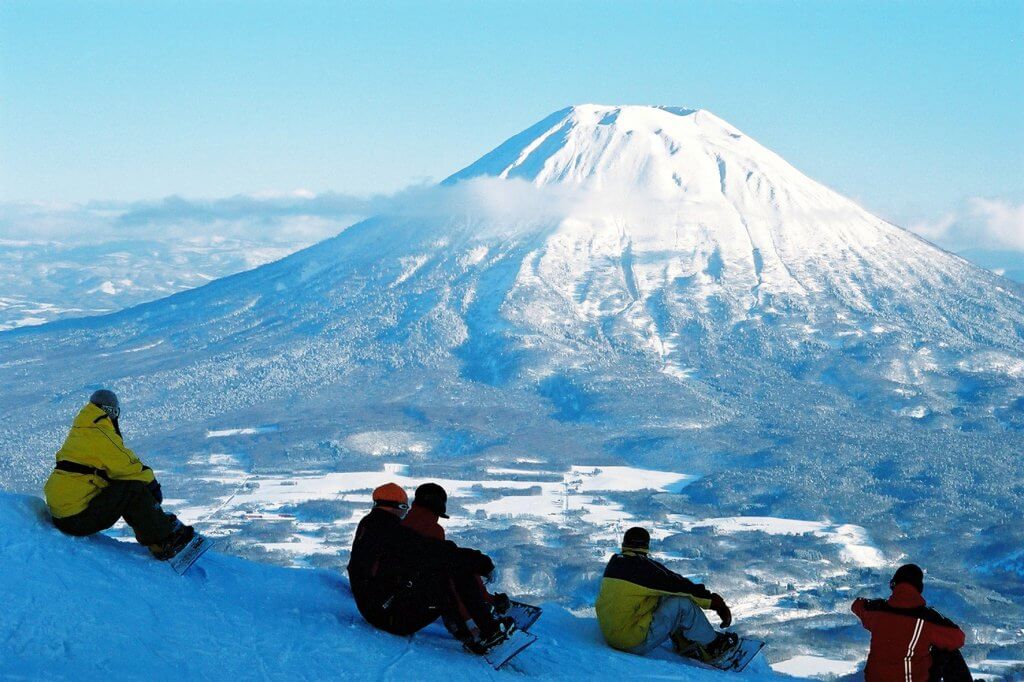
[98,481]
[375,569]
[385,556]
[904,630]
[630,591]
[92,442]
[642,603]
[400,579]
[429,506]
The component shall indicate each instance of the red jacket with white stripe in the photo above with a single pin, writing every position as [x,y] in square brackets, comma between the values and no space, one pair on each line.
[903,630]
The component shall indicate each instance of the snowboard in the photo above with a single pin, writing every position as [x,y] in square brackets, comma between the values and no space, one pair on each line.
[734,661]
[502,653]
[189,554]
[523,614]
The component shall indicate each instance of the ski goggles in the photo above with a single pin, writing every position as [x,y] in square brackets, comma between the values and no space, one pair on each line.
[394,505]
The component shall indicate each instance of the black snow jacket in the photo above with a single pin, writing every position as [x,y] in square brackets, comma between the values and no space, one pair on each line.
[387,558]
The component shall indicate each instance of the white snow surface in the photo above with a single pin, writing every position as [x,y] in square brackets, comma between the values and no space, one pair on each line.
[97,609]
[530,498]
[853,539]
[814,666]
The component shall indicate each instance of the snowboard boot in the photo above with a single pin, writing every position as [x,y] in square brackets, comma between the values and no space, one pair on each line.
[458,628]
[500,603]
[501,630]
[175,542]
[721,646]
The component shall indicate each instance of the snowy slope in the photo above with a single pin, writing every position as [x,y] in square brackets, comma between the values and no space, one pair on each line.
[95,608]
[630,286]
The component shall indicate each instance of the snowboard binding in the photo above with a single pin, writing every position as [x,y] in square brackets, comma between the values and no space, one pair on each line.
[728,651]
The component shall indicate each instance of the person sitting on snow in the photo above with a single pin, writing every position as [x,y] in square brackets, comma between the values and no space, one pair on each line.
[642,604]
[403,581]
[429,505]
[910,641]
[98,481]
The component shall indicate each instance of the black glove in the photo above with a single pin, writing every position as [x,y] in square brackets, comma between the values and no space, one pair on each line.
[719,607]
[155,491]
[475,561]
[501,602]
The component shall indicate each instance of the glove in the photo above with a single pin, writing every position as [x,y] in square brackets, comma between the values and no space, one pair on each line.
[155,491]
[475,561]
[718,606]
[501,602]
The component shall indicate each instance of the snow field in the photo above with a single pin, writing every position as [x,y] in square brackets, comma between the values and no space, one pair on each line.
[578,490]
[813,666]
[853,539]
[96,609]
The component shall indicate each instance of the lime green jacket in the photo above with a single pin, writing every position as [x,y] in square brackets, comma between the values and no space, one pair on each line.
[631,588]
[93,442]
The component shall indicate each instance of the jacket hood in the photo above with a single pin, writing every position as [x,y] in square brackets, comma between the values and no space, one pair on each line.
[91,415]
[905,596]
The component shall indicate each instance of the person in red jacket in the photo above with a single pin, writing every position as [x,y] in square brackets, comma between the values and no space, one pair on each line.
[907,637]
[429,505]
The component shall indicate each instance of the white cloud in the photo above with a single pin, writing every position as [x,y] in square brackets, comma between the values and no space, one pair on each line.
[981,222]
[1003,221]
[300,216]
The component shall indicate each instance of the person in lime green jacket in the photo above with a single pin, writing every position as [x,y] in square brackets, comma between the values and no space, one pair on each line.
[643,604]
[97,481]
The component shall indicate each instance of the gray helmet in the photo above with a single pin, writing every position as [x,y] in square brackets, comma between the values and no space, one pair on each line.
[106,401]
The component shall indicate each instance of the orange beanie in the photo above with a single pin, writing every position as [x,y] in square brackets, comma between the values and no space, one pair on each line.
[390,495]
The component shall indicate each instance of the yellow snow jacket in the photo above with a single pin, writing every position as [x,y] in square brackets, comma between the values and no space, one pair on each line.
[93,442]
[630,589]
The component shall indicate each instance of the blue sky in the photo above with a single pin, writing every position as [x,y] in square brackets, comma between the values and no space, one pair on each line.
[910,108]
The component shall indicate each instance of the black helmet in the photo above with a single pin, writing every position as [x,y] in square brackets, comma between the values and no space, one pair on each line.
[106,401]
[910,574]
[433,497]
[636,538]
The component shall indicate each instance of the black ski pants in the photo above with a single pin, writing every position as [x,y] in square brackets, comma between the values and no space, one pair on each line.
[948,666]
[130,500]
[438,594]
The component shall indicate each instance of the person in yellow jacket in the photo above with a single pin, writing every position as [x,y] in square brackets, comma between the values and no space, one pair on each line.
[642,604]
[97,481]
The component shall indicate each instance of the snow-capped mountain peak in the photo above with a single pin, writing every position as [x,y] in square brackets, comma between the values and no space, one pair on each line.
[666,152]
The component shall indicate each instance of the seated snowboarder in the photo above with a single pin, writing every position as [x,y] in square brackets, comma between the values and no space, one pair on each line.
[429,504]
[403,581]
[98,481]
[910,641]
[642,604]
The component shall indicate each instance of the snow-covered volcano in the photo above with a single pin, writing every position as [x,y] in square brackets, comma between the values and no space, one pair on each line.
[726,217]
[615,285]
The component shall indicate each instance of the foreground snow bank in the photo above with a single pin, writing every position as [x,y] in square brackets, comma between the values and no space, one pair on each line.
[91,608]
